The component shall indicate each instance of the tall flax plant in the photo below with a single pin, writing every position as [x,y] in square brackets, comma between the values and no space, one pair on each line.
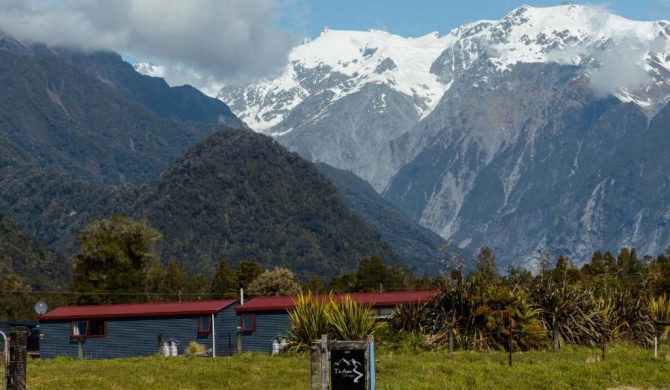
[660,311]
[350,320]
[309,320]
[568,311]
[631,316]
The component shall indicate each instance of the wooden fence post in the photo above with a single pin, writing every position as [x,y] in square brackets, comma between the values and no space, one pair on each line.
[511,339]
[555,338]
[325,370]
[316,365]
[371,377]
[656,333]
[451,338]
[18,355]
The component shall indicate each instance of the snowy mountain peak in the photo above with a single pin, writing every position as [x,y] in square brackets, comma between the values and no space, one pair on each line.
[149,69]
[342,62]
[619,56]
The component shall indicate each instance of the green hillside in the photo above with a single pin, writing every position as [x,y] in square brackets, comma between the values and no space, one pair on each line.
[235,195]
[60,117]
[239,195]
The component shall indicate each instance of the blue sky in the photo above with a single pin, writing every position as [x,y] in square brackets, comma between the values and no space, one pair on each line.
[420,17]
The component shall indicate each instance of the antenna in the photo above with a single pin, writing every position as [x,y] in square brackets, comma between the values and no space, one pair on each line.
[40,308]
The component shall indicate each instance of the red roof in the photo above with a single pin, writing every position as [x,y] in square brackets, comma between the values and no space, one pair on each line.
[383,299]
[137,310]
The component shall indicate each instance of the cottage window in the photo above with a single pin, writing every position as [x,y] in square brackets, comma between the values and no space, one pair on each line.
[385,311]
[205,324]
[97,328]
[79,328]
[248,322]
[92,328]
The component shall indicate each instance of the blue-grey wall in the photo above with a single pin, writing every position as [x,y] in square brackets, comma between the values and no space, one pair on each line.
[226,332]
[128,337]
[269,324]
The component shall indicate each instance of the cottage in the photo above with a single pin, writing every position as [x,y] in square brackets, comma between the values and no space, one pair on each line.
[263,319]
[126,330]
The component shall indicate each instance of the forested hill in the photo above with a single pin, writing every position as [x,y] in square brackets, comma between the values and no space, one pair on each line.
[58,116]
[27,263]
[236,195]
[240,195]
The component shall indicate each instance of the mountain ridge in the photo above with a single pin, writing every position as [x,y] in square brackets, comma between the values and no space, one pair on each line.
[503,93]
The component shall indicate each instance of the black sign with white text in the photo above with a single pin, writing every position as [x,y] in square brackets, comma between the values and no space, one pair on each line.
[347,369]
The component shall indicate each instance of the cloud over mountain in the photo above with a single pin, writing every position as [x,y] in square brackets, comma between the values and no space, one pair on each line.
[222,39]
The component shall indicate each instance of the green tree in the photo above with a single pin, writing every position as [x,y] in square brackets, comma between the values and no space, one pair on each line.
[277,282]
[112,265]
[15,300]
[199,288]
[372,275]
[313,285]
[519,277]
[246,272]
[154,282]
[223,284]
[486,272]
[343,283]
[176,282]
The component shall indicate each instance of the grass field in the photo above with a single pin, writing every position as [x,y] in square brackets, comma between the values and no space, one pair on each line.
[624,367]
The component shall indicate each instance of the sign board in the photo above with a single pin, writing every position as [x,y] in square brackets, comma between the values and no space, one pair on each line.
[347,369]
[343,365]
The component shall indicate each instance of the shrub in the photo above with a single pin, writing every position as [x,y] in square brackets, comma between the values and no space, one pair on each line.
[309,320]
[195,348]
[350,320]
[314,316]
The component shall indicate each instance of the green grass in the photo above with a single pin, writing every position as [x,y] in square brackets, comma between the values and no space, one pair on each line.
[624,367]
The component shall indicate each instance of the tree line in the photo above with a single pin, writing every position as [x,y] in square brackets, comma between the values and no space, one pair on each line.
[117,264]
[610,298]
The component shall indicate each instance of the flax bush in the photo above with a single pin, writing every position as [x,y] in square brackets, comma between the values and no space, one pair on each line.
[350,320]
[309,320]
[314,316]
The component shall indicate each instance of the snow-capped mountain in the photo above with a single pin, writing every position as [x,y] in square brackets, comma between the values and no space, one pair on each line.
[342,62]
[149,69]
[345,95]
[530,132]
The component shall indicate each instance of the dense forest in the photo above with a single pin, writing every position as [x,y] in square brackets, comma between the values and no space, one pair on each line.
[235,195]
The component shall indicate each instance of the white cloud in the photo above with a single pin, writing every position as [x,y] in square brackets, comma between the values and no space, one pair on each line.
[619,66]
[222,39]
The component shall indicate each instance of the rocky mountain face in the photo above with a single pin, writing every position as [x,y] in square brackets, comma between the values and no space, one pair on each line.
[343,98]
[417,246]
[542,130]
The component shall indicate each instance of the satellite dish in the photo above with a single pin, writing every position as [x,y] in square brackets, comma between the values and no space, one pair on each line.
[40,308]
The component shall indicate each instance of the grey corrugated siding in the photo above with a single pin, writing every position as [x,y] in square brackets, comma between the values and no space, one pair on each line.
[226,332]
[129,337]
[269,324]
